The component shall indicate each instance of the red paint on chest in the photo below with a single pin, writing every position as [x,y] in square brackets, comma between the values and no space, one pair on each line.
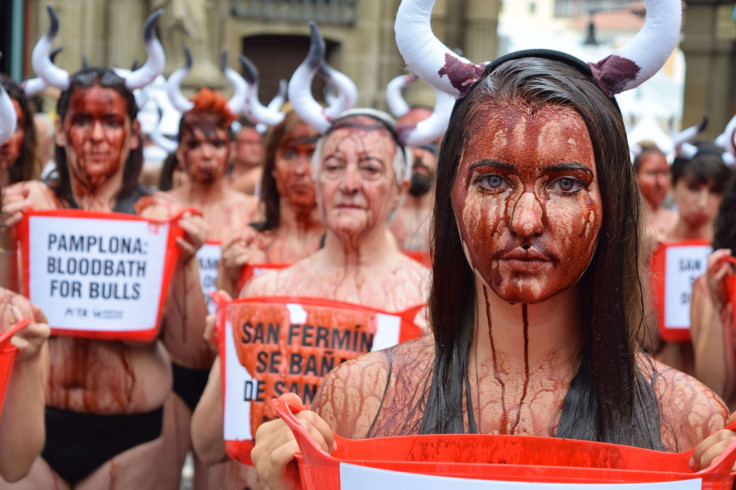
[496,374]
[525,389]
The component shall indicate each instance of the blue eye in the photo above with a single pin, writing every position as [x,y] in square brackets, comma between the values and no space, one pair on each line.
[492,182]
[567,185]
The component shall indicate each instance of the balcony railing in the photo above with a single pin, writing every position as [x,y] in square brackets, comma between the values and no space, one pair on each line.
[323,11]
[574,8]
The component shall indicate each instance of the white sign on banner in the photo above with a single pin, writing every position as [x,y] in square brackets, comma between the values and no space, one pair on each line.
[208,257]
[238,384]
[682,266]
[97,274]
[354,477]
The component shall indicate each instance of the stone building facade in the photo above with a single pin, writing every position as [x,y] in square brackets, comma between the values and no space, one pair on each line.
[273,33]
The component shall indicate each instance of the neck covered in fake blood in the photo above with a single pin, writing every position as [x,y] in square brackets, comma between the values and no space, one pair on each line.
[527,336]
[522,359]
[92,195]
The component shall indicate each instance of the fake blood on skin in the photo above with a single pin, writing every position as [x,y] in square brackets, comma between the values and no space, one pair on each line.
[496,375]
[461,75]
[528,148]
[525,318]
[504,422]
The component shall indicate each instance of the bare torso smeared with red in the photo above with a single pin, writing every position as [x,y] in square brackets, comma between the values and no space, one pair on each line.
[356,191]
[203,153]
[109,377]
[21,420]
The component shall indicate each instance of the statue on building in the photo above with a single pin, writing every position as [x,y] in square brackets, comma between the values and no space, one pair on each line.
[195,24]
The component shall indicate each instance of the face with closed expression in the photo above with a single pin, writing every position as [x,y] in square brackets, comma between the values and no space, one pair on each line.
[527,201]
[653,177]
[204,156]
[97,135]
[697,202]
[293,166]
[356,181]
[248,147]
[10,150]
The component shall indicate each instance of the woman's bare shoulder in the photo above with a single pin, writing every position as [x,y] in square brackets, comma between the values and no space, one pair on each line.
[351,395]
[689,410]
[279,282]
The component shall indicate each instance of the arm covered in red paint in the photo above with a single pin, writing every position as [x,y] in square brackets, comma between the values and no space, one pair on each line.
[208,422]
[22,429]
[273,454]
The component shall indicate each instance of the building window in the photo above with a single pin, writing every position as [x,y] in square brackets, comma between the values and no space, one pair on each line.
[322,11]
[575,8]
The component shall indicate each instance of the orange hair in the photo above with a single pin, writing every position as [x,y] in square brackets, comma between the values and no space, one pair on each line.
[207,100]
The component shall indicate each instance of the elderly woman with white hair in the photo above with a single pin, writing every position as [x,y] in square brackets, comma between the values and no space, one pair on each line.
[361,174]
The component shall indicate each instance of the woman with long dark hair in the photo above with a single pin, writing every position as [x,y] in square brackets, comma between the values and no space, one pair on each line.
[290,228]
[537,276]
[19,159]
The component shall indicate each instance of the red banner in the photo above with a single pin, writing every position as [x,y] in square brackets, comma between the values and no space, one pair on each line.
[99,275]
[7,357]
[502,462]
[208,257]
[731,288]
[673,270]
[275,345]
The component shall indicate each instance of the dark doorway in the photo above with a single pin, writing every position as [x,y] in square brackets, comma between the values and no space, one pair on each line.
[6,29]
[278,56]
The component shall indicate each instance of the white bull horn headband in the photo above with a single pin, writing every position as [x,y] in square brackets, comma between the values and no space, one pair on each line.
[346,90]
[727,139]
[681,140]
[256,112]
[300,85]
[276,104]
[626,68]
[57,77]
[182,104]
[173,85]
[395,100]
[34,86]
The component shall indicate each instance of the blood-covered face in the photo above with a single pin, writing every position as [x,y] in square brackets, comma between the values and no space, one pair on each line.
[97,135]
[248,147]
[424,161]
[527,201]
[10,150]
[654,177]
[203,156]
[293,167]
[356,181]
[697,202]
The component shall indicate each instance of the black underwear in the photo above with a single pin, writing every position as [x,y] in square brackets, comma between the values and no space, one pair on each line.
[189,383]
[79,443]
